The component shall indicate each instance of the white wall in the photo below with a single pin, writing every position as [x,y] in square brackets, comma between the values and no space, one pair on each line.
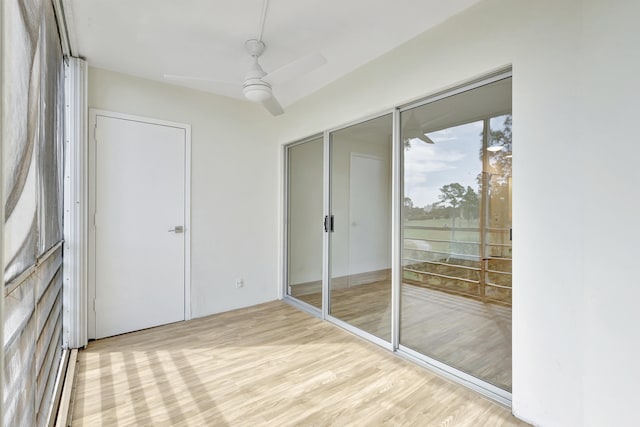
[610,180]
[575,97]
[234,213]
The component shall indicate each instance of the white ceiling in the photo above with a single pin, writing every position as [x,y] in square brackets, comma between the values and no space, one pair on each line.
[205,38]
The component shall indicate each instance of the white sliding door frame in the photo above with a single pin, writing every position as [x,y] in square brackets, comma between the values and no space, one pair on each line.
[397,229]
[74,262]
[326,236]
[327,249]
[483,387]
[397,196]
[286,234]
[93,115]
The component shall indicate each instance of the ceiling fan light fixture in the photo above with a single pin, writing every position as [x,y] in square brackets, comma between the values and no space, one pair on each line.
[257,92]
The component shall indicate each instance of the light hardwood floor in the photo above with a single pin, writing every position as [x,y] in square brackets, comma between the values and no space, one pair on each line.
[268,365]
[463,332]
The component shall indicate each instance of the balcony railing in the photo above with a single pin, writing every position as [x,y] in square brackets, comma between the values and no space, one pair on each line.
[466,267]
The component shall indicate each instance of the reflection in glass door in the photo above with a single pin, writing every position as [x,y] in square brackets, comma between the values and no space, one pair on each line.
[304,221]
[497,240]
[360,244]
[456,287]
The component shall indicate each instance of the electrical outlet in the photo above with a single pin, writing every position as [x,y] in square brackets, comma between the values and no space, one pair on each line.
[239,283]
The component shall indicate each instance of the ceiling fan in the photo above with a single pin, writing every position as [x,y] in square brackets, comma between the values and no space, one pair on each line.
[257,85]
[412,129]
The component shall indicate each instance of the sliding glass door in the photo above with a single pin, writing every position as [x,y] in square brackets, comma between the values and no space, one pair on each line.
[360,241]
[398,228]
[456,290]
[304,213]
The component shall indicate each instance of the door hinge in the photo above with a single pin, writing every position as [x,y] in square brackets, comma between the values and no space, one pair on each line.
[95,130]
[94,305]
[328,223]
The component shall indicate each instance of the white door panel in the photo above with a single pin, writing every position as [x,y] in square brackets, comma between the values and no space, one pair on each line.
[140,196]
[369,239]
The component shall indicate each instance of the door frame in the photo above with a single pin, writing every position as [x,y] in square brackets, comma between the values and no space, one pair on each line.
[283,290]
[396,273]
[91,180]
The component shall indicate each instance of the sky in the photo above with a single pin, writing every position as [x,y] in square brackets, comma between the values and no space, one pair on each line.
[453,158]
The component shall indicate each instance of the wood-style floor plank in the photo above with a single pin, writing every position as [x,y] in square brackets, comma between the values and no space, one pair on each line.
[265,365]
[466,333]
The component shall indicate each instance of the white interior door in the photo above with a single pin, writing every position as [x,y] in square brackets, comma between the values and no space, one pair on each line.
[140,205]
[369,240]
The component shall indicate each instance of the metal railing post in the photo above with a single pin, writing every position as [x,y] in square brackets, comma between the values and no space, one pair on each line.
[484,209]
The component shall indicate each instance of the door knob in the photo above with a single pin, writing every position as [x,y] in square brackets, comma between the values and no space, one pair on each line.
[177,229]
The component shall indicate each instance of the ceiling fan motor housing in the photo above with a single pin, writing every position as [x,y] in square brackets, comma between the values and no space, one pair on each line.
[254,88]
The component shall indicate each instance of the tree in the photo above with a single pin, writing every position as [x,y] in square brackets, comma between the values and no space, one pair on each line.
[412,212]
[451,196]
[470,204]
[500,161]
[502,136]
[408,203]
[461,202]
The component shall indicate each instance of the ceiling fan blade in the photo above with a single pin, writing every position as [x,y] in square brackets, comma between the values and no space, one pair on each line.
[223,88]
[295,69]
[273,106]
[425,138]
[199,79]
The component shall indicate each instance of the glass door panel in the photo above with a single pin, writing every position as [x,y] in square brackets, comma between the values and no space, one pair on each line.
[304,221]
[360,244]
[456,287]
